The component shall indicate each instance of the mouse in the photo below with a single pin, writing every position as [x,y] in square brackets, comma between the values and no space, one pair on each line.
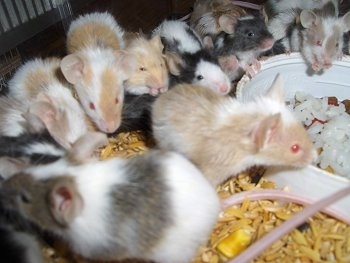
[201,68]
[212,17]
[224,136]
[274,7]
[250,40]
[316,33]
[18,152]
[19,240]
[151,74]
[189,59]
[97,65]
[178,36]
[39,148]
[18,244]
[136,114]
[41,89]
[19,247]
[145,206]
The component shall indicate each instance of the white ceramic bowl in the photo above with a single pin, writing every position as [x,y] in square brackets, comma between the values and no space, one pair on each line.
[310,182]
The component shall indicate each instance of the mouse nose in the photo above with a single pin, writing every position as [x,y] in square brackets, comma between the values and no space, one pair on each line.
[108,126]
[223,87]
[267,43]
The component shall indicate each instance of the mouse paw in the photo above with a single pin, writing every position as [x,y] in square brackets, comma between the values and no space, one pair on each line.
[154,91]
[288,52]
[228,63]
[253,69]
[316,66]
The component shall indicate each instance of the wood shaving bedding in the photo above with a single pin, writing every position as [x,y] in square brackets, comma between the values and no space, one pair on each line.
[321,239]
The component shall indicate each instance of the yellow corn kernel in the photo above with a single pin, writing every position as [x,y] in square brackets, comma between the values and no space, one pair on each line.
[234,243]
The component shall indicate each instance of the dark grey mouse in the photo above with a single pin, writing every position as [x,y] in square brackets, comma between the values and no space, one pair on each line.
[136,113]
[250,39]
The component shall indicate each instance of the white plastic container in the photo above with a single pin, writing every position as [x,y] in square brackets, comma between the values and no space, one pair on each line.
[310,182]
[334,81]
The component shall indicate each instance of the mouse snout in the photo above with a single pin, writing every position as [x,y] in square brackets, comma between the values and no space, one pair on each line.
[223,87]
[108,126]
[267,43]
[158,86]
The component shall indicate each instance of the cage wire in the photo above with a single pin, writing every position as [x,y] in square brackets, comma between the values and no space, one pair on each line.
[19,21]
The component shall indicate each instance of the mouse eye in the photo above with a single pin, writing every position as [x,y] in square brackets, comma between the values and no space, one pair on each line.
[116,100]
[200,77]
[319,43]
[24,198]
[142,68]
[250,34]
[92,106]
[337,45]
[295,148]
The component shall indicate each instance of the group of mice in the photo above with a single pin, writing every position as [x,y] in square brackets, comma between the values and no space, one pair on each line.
[161,205]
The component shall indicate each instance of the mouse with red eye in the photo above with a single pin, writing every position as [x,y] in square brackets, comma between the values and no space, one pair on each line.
[38,93]
[97,66]
[316,33]
[224,136]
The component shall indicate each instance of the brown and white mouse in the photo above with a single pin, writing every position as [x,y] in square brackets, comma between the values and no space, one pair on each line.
[97,66]
[40,90]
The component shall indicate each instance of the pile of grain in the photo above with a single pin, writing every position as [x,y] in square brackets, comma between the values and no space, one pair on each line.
[321,239]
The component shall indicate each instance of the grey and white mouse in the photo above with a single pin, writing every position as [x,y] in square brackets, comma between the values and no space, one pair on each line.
[316,33]
[149,207]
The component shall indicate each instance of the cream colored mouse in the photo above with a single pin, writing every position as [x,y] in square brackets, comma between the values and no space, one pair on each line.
[224,136]
[151,74]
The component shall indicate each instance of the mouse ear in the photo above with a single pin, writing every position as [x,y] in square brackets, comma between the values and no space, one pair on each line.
[265,130]
[346,22]
[72,67]
[174,62]
[308,18]
[10,166]
[208,42]
[229,64]
[126,63]
[83,149]
[227,23]
[65,202]
[276,91]
[55,120]
[157,42]
[33,123]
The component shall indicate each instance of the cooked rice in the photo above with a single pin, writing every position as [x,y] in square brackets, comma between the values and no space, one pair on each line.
[328,125]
